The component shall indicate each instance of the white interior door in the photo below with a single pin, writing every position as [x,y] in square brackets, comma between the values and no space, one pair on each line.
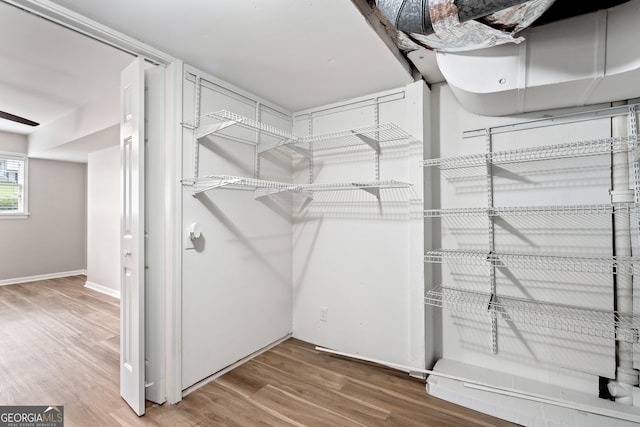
[132,338]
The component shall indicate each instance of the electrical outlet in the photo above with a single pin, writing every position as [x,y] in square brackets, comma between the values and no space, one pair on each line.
[324,314]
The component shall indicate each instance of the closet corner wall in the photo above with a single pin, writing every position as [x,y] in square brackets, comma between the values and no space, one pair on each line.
[357,256]
[311,225]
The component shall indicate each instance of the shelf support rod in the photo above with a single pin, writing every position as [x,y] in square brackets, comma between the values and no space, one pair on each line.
[492,242]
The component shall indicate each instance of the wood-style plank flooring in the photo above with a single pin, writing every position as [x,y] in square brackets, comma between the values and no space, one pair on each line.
[59,345]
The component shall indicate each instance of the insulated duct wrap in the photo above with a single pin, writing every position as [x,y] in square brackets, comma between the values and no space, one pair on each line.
[458,25]
[415,16]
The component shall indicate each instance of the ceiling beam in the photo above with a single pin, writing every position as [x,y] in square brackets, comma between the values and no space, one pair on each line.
[376,24]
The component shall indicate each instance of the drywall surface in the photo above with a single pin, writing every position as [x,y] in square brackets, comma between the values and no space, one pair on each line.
[13,143]
[236,277]
[103,218]
[92,118]
[357,260]
[53,238]
[572,360]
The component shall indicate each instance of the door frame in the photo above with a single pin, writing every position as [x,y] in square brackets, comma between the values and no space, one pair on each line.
[173,167]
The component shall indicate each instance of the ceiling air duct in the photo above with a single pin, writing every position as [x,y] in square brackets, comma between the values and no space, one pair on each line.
[577,53]
[415,16]
[459,25]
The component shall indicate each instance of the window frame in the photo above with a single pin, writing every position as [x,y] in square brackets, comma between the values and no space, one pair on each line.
[24,213]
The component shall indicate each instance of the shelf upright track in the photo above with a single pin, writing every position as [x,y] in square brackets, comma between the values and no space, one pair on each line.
[492,243]
[376,113]
[258,115]
[311,172]
[196,124]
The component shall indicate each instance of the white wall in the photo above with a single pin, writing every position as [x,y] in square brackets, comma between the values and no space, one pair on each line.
[13,143]
[236,281]
[359,257]
[52,239]
[103,218]
[565,359]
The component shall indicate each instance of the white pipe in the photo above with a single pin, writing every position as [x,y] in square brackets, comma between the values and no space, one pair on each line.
[622,242]
[617,389]
[495,389]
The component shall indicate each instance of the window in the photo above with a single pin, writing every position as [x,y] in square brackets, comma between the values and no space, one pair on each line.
[13,184]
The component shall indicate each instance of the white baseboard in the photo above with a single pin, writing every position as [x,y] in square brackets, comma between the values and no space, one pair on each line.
[27,279]
[218,374]
[102,289]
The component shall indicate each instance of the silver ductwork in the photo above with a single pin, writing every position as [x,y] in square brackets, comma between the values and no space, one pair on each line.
[414,16]
[458,25]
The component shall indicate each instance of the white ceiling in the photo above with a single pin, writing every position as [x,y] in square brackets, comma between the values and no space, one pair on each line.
[48,71]
[294,53]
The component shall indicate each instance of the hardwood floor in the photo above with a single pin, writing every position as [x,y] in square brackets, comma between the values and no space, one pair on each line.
[59,345]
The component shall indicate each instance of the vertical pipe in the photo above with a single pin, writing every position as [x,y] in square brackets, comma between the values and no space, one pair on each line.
[625,374]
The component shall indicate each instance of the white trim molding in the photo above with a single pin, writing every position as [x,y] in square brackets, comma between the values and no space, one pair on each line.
[90,28]
[173,233]
[102,289]
[38,277]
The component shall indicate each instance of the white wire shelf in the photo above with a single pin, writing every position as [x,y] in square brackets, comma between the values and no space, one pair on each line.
[264,187]
[372,136]
[584,321]
[578,264]
[594,209]
[545,152]
[223,121]
[268,137]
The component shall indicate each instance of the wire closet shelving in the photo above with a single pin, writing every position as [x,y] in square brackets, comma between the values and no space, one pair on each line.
[514,211]
[545,152]
[264,187]
[579,320]
[265,137]
[551,262]
[568,318]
